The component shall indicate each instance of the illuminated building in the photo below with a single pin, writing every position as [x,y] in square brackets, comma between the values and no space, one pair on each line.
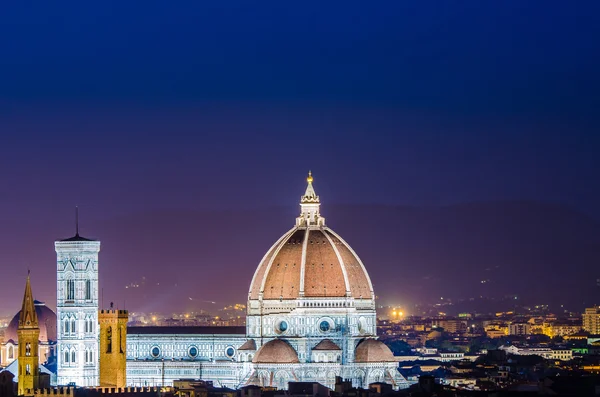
[451,325]
[560,329]
[113,348]
[77,310]
[591,320]
[26,369]
[47,338]
[519,329]
[544,352]
[310,317]
[29,334]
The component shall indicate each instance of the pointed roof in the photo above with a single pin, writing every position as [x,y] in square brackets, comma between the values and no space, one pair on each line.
[309,195]
[326,344]
[250,344]
[77,237]
[309,207]
[28,317]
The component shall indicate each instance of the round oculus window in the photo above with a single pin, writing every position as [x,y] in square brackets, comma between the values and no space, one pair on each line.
[283,326]
[155,351]
[230,351]
[193,351]
[324,326]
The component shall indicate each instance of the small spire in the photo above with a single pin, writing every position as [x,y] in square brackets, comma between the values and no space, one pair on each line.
[28,316]
[309,195]
[77,221]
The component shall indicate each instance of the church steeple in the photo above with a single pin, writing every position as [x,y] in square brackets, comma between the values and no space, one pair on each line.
[28,334]
[309,206]
[28,317]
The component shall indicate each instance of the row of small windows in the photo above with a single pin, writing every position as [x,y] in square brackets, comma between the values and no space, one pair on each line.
[70,290]
[69,326]
[70,357]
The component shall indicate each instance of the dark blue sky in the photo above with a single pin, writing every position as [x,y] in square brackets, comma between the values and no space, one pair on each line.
[122,108]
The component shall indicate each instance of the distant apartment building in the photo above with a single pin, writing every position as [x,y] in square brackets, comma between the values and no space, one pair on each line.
[544,352]
[519,329]
[560,329]
[451,325]
[495,333]
[591,320]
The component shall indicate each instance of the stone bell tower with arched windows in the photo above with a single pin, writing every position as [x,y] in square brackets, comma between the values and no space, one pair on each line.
[113,347]
[29,333]
[77,310]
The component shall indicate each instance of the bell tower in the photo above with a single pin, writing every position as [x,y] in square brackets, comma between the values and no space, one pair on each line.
[77,310]
[28,333]
[113,344]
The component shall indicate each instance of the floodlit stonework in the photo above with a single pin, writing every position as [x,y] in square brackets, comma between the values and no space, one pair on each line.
[310,317]
[77,311]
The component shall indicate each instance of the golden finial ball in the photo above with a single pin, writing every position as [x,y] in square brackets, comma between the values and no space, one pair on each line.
[309,179]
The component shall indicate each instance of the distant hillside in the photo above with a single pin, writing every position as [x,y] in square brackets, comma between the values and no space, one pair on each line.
[180,260]
[542,252]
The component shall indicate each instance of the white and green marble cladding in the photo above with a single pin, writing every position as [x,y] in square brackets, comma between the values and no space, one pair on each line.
[77,311]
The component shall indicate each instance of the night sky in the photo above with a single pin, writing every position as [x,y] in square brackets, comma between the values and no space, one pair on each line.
[184,131]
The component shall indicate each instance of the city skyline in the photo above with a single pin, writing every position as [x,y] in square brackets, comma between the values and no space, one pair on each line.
[277,199]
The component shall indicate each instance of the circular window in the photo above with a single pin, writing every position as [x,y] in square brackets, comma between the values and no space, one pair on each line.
[155,351]
[324,326]
[282,326]
[230,352]
[193,351]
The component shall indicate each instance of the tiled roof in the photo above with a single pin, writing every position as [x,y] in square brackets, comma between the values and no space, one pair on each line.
[201,330]
[326,344]
[329,266]
[276,351]
[250,344]
[372,350]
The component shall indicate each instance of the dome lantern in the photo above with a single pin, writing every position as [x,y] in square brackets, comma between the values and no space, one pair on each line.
[309,207]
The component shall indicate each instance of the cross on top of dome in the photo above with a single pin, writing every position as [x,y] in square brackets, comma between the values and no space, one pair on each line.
[309,206]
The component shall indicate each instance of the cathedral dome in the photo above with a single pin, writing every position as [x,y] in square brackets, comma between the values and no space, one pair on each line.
[276,351]
[372,350]
[311,261]
[47,323]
